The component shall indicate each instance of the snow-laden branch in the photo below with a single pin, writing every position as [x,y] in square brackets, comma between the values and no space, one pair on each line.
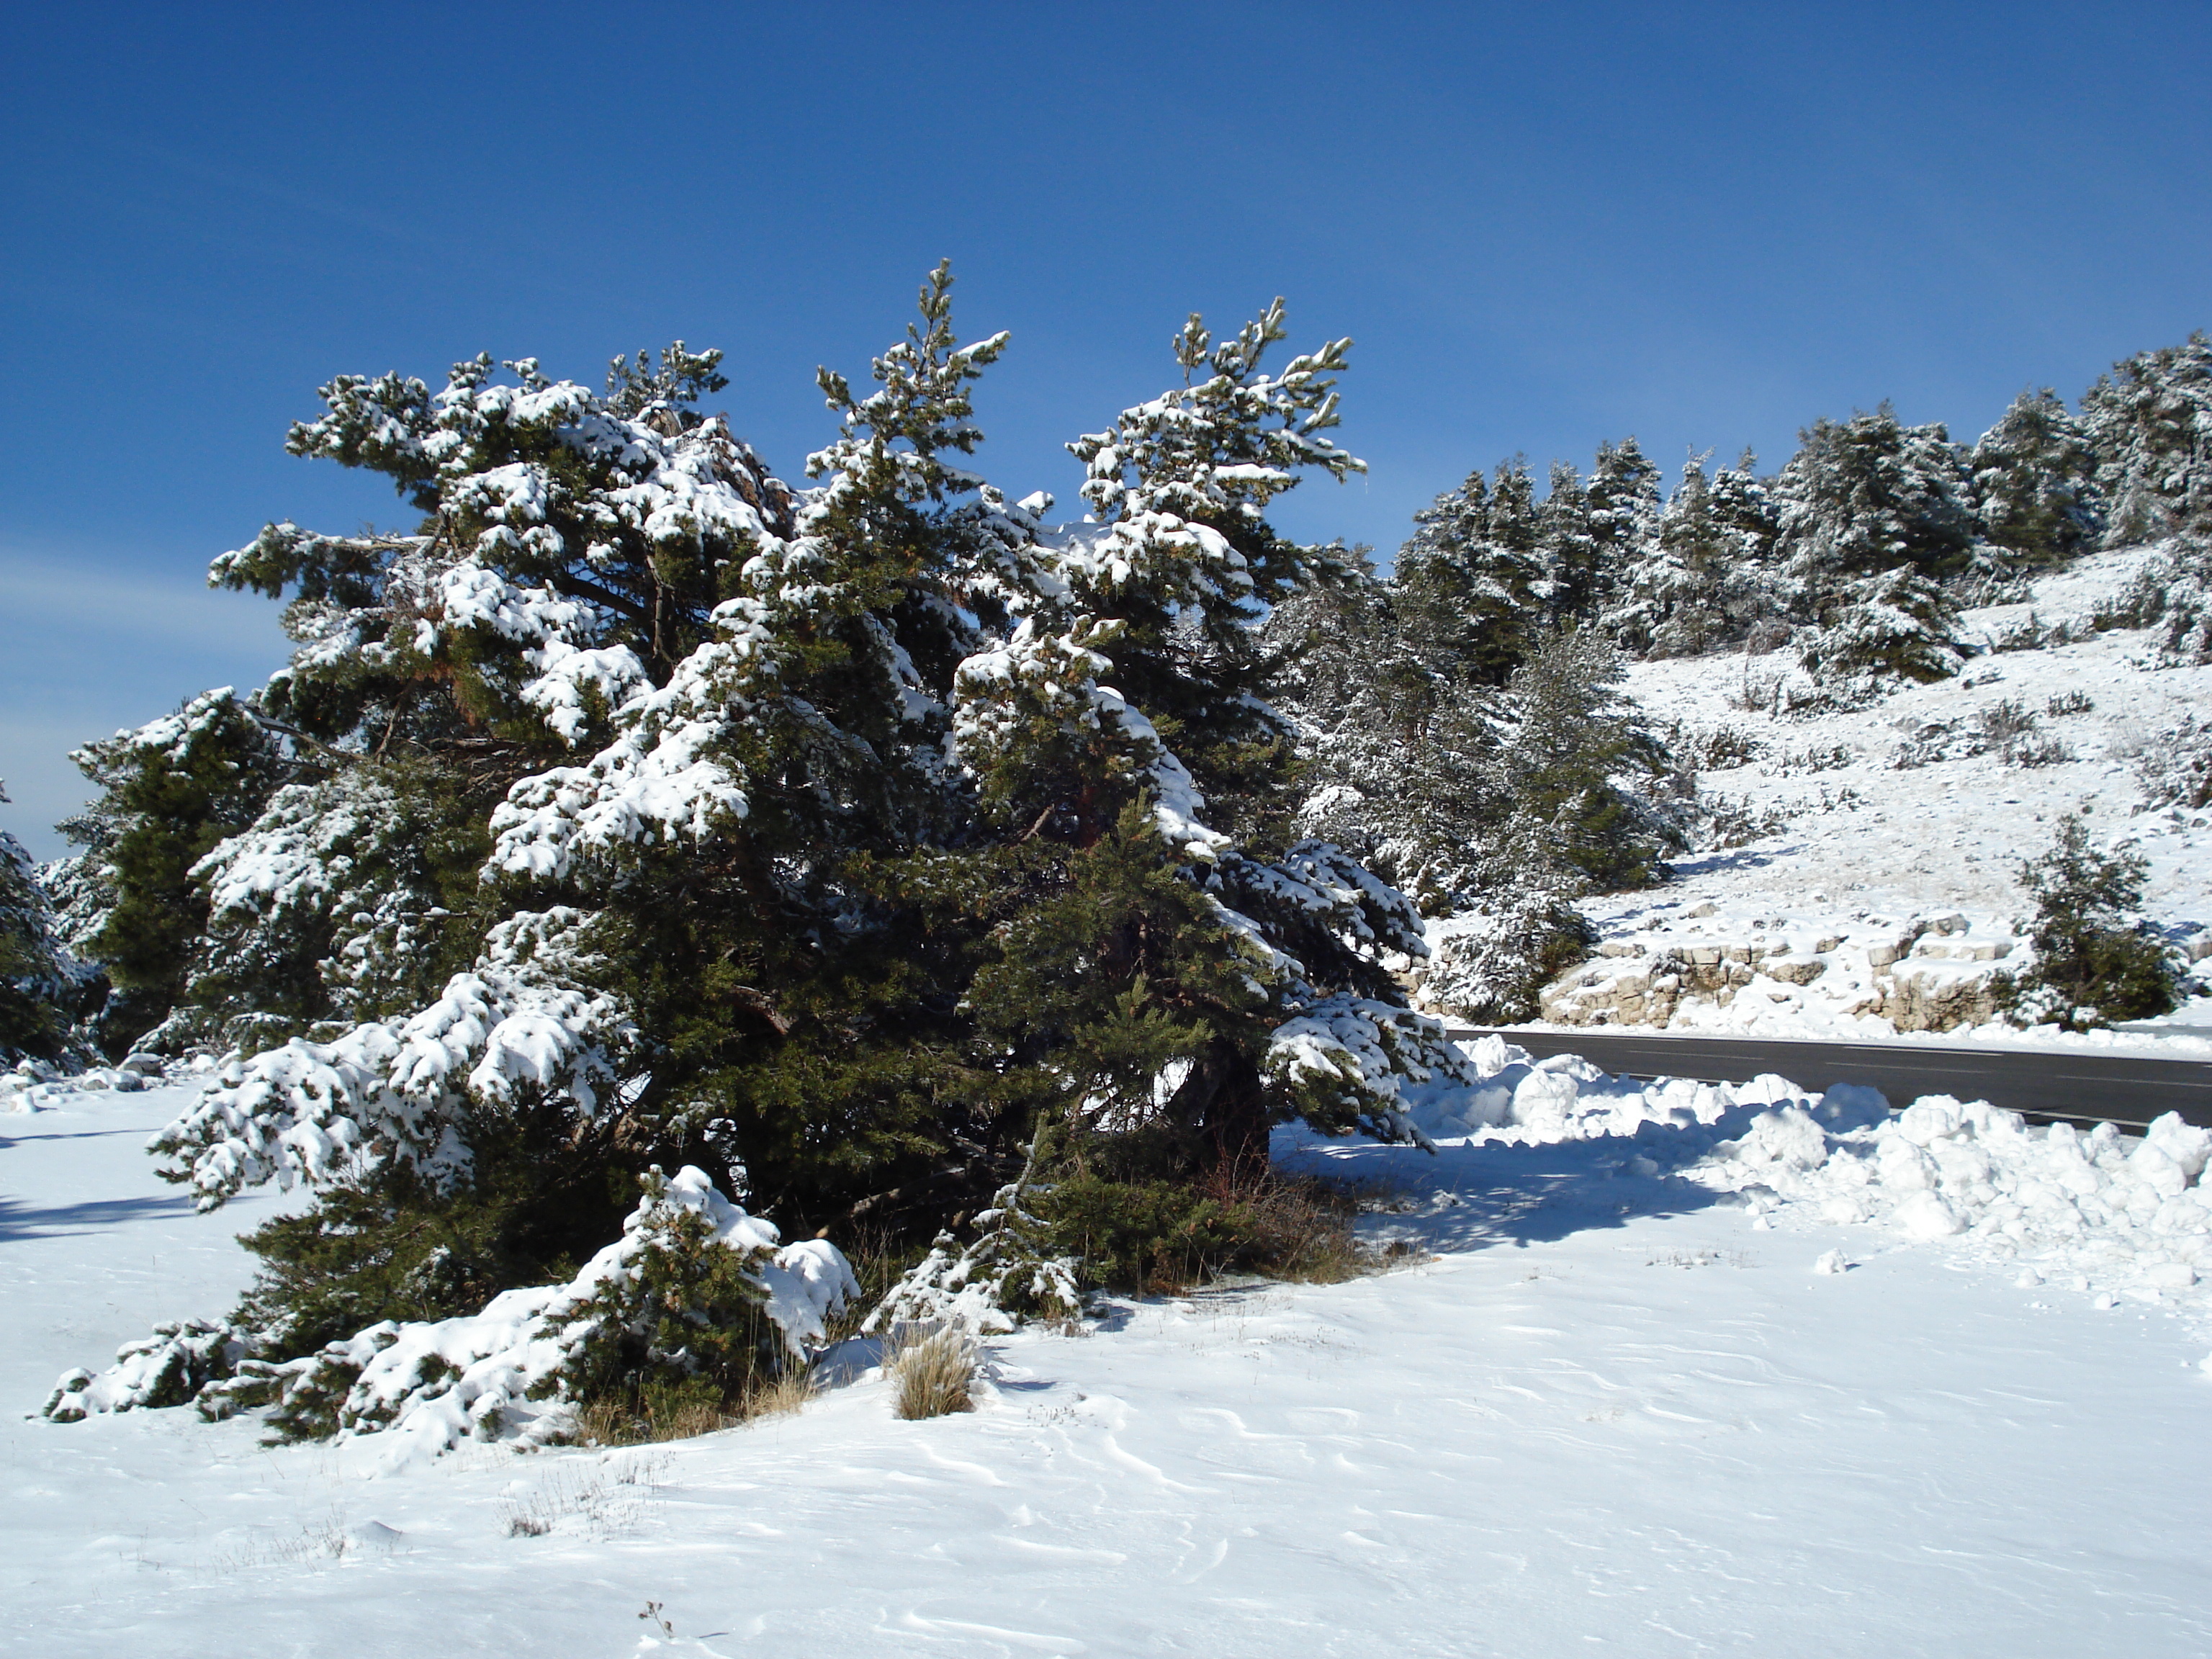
[406,1090]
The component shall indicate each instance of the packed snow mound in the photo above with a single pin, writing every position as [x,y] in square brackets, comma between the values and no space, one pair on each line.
[2101,1213]
[499,1375]
[37,1085]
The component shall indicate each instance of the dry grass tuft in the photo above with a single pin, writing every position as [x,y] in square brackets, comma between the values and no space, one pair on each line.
[933,1373]
[684,1413]
[787,1394]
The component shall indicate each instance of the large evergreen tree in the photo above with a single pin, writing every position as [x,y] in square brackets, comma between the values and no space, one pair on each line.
[849,838]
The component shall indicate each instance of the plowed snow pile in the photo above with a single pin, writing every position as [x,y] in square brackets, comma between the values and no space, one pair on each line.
[2099,1213]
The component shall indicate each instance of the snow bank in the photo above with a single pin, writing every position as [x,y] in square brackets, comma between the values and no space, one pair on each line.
[2100,1212]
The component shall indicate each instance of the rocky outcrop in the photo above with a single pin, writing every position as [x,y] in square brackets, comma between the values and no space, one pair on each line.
[1929,974]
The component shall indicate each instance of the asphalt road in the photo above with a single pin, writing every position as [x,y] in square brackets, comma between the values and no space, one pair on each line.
[2082,1087]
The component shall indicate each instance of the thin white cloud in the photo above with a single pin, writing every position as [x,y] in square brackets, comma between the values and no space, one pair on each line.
[87,649]
[41,594]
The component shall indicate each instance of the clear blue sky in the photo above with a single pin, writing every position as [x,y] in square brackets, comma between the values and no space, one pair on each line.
[1544,226]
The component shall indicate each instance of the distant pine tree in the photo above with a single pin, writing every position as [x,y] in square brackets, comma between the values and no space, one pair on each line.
[1399,733]
[1865,495]
[2035,482]
[44,990]
[1575,747]
[2151,421]
[1570,550]
[170,792]
[1472,576]
[1624,518]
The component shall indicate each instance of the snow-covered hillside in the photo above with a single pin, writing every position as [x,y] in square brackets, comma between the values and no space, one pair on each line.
[1637,1384]
[1868,887]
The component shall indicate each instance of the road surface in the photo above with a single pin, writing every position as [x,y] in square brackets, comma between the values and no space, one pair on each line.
[2122,1089]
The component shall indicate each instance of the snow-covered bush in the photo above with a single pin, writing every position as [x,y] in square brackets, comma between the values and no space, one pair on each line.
[2172,593]
[695,1289]
[1012,1269]
[1489,966]
[2175,768]
[1897,624]
[2095,960]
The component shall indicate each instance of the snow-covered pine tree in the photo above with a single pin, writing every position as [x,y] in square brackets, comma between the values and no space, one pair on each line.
[1187,971]
[1398,733]
[1470,583]
[1518,931]
[45,992]
[1576,752]
[1670,600]
[2097,960]
[2035,483]
[1895,624]
[1624,512]
[2151,421]
[170,792]
[701,720]
[1570,549]
[730,901]
[1751,522]
[1865,495]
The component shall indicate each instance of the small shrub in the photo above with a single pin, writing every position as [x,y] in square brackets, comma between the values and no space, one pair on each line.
[934,1375]
[2174,592]
[1729,822]
[2005,722]
[2044,750]
[2069,702]
[2028,635]
[2176,768]
[1494,969]
[1798,763]
[1715,748]
[2092,963]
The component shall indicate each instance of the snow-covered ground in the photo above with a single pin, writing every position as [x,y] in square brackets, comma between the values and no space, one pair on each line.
[1878,891]
[1608,1403]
